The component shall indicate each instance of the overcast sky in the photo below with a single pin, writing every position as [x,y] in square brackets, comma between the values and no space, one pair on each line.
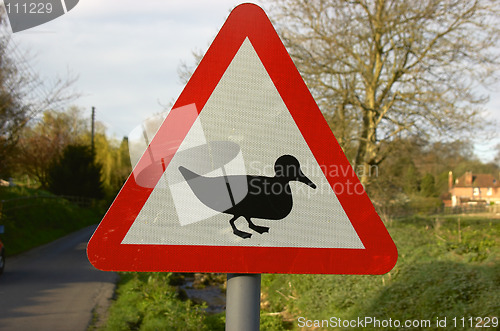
[127,53]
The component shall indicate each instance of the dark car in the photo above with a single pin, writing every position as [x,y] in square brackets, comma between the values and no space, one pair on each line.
[2,253]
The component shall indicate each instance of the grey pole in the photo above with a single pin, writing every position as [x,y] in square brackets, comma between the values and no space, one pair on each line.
[243,302]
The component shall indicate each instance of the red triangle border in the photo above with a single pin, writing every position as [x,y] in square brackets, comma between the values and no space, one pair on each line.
[105,250]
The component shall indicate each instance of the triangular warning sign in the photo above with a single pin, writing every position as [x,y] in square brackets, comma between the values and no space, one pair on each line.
[244,176]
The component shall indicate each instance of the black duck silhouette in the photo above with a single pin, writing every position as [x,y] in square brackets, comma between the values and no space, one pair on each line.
[250,196]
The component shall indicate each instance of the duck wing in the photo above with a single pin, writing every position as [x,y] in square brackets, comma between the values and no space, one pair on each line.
[218,193]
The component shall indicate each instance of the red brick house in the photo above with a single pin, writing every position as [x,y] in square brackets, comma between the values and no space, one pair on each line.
[470,189]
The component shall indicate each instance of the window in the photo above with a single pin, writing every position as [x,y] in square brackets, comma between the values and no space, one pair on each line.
[490,191]
[476,191]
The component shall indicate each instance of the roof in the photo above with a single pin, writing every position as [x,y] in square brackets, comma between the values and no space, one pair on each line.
[478,180]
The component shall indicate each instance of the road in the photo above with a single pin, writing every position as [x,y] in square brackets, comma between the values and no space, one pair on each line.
[53,287]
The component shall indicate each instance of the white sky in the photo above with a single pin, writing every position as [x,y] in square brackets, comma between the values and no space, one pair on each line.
[127,53]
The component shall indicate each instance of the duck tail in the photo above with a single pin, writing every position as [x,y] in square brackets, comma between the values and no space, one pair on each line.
[188,174]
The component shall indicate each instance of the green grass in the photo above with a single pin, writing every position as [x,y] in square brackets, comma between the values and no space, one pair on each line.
[447,267]
[147,301]
[444,270]
[30,222]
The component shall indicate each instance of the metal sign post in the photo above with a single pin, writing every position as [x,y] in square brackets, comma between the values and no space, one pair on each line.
[243,302]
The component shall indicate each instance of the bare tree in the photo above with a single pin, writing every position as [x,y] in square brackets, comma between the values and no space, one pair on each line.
[386,69]
[497,156]
[23,93]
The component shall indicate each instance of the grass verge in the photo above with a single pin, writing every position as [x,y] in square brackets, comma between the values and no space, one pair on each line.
[447,267]
[30,222]
[147,301]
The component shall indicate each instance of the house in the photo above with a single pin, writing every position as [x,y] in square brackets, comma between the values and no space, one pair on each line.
[471,189]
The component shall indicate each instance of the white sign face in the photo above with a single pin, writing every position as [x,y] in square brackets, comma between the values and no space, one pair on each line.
[243,129]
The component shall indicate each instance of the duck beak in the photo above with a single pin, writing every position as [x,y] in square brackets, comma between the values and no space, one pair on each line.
[303,179]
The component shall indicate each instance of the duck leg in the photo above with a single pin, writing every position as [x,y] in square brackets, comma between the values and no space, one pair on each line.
[237,232]
[256,228]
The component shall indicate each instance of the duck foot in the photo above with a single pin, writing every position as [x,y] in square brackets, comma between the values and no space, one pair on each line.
[256,228]
[259,229]
[237,232]
[242,234]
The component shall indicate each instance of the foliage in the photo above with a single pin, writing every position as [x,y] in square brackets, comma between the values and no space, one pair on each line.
[115,161]
[423,205]
[23,95]
[146,301]
[446,267]
[411,177]
[418,169]
[381,70]
[13,112]
[149,301]
[44,140]
[428,186]
[34,217]
[76,173]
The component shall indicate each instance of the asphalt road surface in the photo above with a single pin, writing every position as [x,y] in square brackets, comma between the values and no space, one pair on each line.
[53,287]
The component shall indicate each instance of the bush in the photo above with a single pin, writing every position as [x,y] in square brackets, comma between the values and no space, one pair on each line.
[447,267]
[425,205]
[76,174]
[147,301]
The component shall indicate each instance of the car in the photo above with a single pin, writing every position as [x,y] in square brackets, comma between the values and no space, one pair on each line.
[2,253]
